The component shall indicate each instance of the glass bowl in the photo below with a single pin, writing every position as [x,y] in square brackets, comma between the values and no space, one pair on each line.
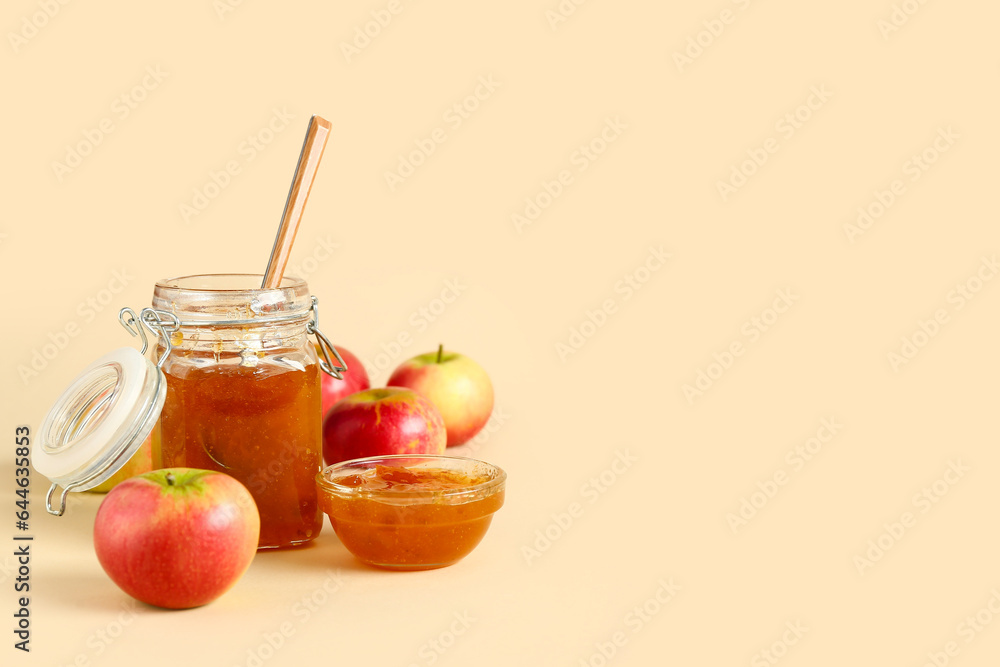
[411,512]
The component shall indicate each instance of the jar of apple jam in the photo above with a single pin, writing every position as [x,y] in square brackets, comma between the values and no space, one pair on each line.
[243,392]
[231,384]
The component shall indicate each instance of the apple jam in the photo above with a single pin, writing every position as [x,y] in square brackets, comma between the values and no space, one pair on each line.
[260,425]
[411,513]
[243,395]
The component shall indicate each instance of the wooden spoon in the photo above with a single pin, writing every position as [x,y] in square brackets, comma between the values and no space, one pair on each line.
[305,171]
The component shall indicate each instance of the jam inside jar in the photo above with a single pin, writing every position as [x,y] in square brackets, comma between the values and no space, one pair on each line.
[243,395]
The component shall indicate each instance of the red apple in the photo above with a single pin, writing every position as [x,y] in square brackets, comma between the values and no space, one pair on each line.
[456,384]
[177,537]
[377,422]
[355,380]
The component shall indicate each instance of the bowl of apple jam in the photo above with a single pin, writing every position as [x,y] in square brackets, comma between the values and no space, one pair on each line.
[411,512]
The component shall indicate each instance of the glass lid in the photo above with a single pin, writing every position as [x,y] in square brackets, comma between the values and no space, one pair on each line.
[98,423]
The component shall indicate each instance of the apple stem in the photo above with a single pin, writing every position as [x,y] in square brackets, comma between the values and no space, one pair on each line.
[170,479]
[440,352]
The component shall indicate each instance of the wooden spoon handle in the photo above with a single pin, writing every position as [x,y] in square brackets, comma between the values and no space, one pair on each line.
[298,194]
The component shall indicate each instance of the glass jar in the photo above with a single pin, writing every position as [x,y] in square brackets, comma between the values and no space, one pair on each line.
[243,393]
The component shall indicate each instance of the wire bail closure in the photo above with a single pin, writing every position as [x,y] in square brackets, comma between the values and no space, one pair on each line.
[59,511]
[162,323]
[325,346]
[151,318]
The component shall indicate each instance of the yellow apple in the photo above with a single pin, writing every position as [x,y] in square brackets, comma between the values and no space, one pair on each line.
[141,462]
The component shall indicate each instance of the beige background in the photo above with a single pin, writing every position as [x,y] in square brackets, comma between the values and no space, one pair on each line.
[564,418]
